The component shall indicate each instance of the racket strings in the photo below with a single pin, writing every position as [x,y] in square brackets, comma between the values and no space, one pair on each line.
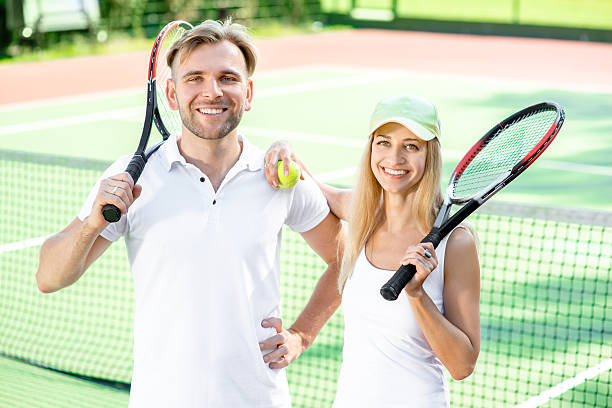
[171,118]
[502,151]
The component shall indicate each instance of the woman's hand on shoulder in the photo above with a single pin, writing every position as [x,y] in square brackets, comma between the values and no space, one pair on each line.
[423,257]
[338,199]
[280,150]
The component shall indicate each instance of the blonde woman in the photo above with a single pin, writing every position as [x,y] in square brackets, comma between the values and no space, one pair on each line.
[394,352]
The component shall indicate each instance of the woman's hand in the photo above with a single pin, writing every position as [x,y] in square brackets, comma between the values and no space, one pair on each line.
[423,257]
[280,150]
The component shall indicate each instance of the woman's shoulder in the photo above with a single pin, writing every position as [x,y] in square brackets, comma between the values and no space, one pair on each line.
[461,251]
[461,238]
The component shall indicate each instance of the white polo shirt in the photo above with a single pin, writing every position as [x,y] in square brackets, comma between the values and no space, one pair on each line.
[206,267]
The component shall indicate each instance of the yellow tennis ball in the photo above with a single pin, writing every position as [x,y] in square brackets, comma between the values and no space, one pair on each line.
[290,180]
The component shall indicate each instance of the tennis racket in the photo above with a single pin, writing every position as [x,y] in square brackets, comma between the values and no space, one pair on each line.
[166,120]
[493,162]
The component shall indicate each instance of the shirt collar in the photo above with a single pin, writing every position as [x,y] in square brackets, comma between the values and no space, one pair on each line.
[171,153]
[251,156]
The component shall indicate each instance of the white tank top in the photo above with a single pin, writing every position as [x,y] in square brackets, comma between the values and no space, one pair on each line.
[387,362]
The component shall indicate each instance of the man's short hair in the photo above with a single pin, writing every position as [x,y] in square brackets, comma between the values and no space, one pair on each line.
[211,32]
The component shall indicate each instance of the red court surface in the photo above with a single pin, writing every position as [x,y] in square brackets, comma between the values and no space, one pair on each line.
[571,62]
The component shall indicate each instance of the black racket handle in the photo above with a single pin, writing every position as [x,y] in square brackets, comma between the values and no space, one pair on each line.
[392,289]
[394,286]
[110,212]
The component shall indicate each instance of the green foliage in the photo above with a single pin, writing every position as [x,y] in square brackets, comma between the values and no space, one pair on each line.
[143,19]
[141,16]
[78,44]
[5,34]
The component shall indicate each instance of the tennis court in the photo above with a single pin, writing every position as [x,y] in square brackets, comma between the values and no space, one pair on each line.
[323,111]
[545,315]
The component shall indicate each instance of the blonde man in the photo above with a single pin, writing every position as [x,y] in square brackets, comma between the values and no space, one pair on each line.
[203,231]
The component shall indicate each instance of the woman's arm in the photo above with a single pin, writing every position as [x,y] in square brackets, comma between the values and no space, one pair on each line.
[338,199]
[455,336]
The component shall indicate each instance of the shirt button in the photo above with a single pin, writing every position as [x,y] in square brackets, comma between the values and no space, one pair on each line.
[202,179]
[214,202]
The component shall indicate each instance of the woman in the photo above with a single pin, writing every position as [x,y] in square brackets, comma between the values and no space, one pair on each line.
[394,352]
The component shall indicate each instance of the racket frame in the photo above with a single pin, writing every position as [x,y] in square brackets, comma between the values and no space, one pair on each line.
[152,115]
[444,224]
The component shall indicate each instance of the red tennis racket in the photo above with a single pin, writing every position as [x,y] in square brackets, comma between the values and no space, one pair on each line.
[166,120]
[490,165]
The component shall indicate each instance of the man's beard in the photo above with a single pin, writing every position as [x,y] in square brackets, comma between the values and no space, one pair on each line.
[190,122]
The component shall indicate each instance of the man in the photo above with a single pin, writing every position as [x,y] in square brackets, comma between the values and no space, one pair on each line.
[202,232]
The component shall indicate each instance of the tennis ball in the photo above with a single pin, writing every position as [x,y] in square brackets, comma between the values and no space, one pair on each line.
[290,180]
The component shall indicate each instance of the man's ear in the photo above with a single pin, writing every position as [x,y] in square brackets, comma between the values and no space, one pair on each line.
[249,96]
[171,94]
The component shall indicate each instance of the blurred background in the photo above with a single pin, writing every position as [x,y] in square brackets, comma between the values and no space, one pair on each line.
[72,98]
[74,27]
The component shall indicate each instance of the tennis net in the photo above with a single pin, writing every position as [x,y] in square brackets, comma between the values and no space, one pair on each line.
[545,313]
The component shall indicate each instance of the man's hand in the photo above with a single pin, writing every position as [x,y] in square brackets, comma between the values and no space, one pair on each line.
[286,345]
[118,190]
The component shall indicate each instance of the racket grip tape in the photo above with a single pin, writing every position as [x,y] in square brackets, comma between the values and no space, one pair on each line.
[110,212]
[394,286]
[392,289]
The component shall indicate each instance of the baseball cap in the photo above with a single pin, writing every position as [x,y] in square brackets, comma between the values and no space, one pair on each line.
[417,114]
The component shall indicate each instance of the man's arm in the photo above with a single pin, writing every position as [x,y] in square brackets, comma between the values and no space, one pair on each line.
[289,344]
[65,256]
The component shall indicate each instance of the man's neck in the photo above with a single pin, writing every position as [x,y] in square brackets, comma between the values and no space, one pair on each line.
[214,158]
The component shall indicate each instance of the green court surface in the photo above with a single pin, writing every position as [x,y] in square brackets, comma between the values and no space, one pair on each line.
[24,385]
[324,112]
[545,279]
[567,13]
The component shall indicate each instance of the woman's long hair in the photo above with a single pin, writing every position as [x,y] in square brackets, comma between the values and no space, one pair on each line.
[366,208]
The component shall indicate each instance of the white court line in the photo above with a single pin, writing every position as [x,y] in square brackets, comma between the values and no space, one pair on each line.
[336,174]
[345,69]
[331,83]
[277,134]
[512,82]
[577,167]
[38,103]
[135,114]
[567,385]
[130,112]
[263,75]
[115,114]
[16,246]
[117,93]
[364,76]
[517,84]
[307,69]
